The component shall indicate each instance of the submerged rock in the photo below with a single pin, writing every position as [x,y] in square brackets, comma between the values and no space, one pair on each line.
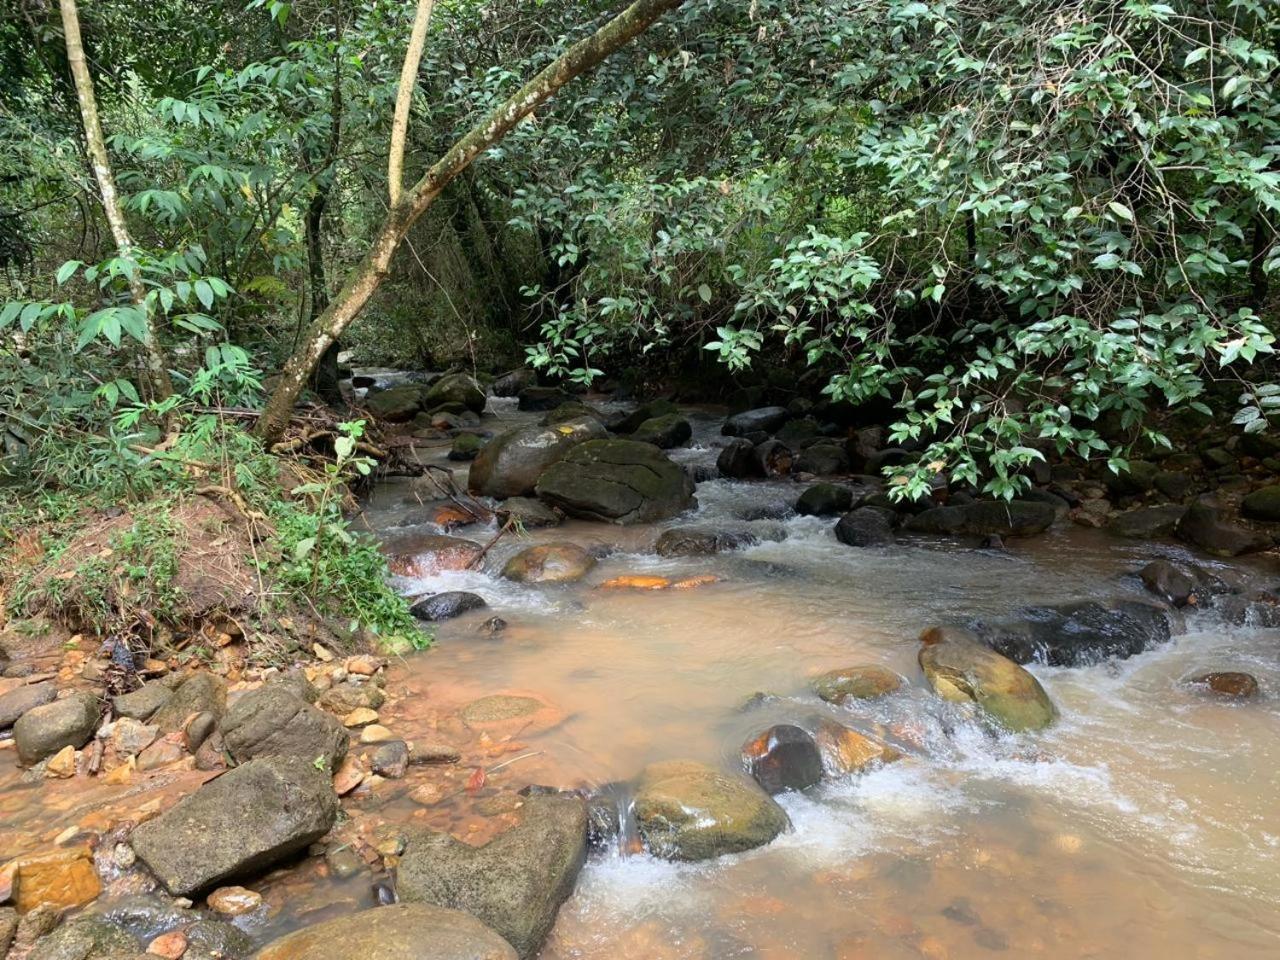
[245,821]
[784,757]
[446,606]
[845,751]
[1228,683]
[549,563]
[402,931]
[1079,633]
[516,882]
[511,463]
[855,683]
[687,811]
[1204,526]
[617,481]
[273,721]
[692,542]
[1013,518]
[85,938]
[425,556]
[43,731]
[962,670]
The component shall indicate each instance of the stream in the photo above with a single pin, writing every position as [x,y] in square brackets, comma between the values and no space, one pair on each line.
[1144,823]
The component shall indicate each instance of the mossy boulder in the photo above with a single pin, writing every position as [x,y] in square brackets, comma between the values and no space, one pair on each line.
[397,405]
[664,432]
[962,670]
[617,481]
[511,463]
[458,388]
[1263,504]
[825,500]
[686,810]
[855,683]
[466,446]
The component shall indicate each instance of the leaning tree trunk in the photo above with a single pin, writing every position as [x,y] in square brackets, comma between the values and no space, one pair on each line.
[157,363]
[409,206]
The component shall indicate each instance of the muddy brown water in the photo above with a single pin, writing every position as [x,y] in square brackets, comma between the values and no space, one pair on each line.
[1145,823]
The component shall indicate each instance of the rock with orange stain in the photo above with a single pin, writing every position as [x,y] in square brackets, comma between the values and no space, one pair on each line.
[431,555]
[428,795]
[360,717]
[691,583]
[846,751]
[234,901]
[171,945]
[933,949]
[449,515]
[62,765]
[636,582]
[364,665]
[62,879]
[522,713]
[121,774]
[350,775]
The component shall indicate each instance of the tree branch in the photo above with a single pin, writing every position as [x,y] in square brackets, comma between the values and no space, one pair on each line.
[404,100]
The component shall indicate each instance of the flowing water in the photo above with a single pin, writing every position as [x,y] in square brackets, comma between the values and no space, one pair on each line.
[1144,824]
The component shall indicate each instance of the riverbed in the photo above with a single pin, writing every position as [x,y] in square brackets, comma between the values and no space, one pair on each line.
[1143,824]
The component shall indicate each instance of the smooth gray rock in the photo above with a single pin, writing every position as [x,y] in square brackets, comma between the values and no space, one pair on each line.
[21,699]
[274,721]
[200,693]
[511,463]
[43,731]
[142,703]
[617,481]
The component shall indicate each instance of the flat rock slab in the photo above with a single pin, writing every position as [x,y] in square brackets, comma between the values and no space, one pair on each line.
[404,931]
[239,824]
[516,882]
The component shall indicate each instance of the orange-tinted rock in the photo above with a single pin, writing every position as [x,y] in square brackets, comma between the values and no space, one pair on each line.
[448,516]
[636,582]
[1228,683]
[434,554]
[62,765]
[63,879]
[349,776]
[690,583]
[846,751]
[234,901]
[171,946]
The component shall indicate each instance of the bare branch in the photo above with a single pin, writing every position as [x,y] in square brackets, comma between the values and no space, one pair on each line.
[404,100]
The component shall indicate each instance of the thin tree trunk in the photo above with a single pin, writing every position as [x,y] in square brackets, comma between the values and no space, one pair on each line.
[365,278]
[157,363]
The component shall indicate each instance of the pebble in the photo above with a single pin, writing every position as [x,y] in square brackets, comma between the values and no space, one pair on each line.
[428,795]
[234,901]
[322,653]
[391,759]
[360,717]
[433,751]
[375,733]
[62,765]
[349,776]
[171,945]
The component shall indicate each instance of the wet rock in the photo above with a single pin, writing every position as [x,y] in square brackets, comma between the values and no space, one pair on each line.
[664,432]
[19,700]
[342,698]
[773,458]
[1167,582]
[855,683]
[234,901]
[8,927]
[431,554]
[1014,518]
[502,708]
[511,463]
[1174,484]
[273,722]
[692,542]
[1259,608]
[1204,526]
[542,399]
[62,879]
[685,810]
[43,731]
[845,751]
[737,461]
[784,757]
[762,419]
[1218,458]
[391,760]
[446,606]
[1137,480]
[433,751]
[510,384]
[200,693]
[825,500]
[516,882]
[216,940]
[1147,523]
[1079,633]
[888,457]
[865,527]
[85,938]
[528,513]
[458,388]
[397,405]
[245,821]
[573,410]
[1227,683]
[1263,504]
[961,669]
[629,422]
[549,563]
[401,931]
[823,460]
[617,481]
[466,446]
[142,703]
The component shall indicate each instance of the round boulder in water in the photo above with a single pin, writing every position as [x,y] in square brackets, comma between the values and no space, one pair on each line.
[855,683]
[511,463]
[549,563]
[825,500]
[784,757]
[459,388]
[766,419]
[845,751]
[671,430]
[446,606]
[617,481]
[1228,683]
[687,811]
[962,670]
[866,527]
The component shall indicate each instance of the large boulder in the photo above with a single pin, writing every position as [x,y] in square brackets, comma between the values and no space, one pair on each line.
[784,757]
[764,419]
[402,931]
[737,460]
[961,669]
[1204,526]
[516,882]
[14,703]
[855,683]
[202,692]
[141,704]
[685,810]
[823,460]
[397,405]
[511,463]
[245,821]
[631,422]
[458,388]
[825,500]
[510,384]
[274,721]
[1078,633]
[1263,504]
[984,518]
[1147,523]
[865,527]
[664,432]
[549,563]
[541,399]
[43,731]
[617,481]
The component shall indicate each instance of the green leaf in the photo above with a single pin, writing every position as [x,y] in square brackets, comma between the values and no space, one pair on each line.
[204,293]
[303,547]
[704,292]
[66,271]
[1120,210]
